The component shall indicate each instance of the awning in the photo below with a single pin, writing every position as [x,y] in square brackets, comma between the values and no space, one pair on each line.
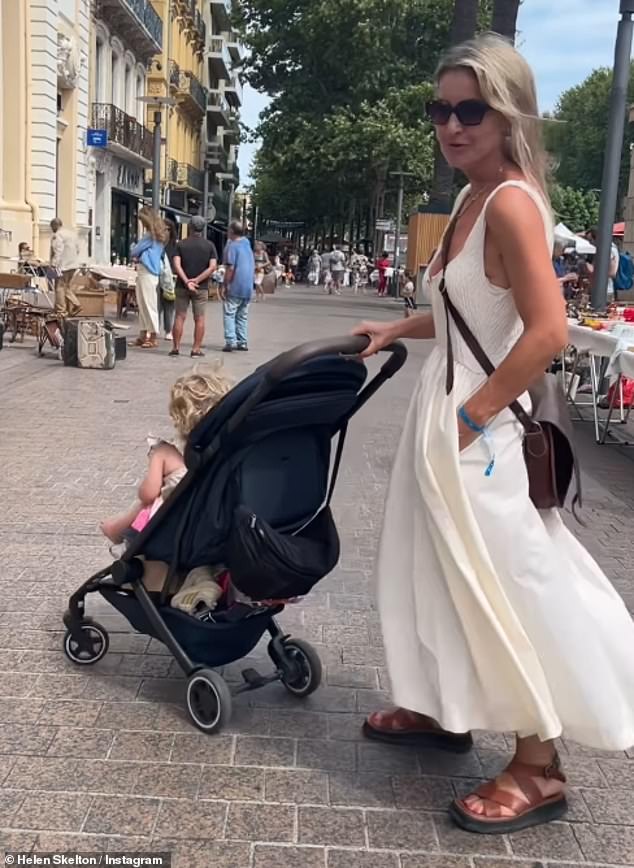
[619,230]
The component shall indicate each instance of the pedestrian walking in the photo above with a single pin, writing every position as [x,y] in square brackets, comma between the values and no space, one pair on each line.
[238,289]
[382,266]
[315,268]
[262,267]
[494,616]
[149,255]
[195,261]
[65,262]
[166,305]
[337,269]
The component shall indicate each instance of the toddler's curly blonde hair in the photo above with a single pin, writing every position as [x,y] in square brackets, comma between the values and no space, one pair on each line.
[196,393]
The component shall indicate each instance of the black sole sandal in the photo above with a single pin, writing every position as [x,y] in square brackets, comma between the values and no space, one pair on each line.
[439,739]
[530,809]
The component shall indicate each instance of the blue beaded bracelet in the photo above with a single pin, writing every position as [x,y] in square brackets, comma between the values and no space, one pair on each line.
[486,436]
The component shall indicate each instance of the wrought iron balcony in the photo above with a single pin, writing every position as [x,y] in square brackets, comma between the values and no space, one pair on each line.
[233,92]
[200,31]
[216,156]
[217,109]
[221,13]
[218,58]
[189,177]
[136,22]
[126,135]
[189,92]
[231,133]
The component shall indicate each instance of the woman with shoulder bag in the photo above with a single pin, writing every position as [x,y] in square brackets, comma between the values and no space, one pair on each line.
[167,282]
[149,254]
[494,616]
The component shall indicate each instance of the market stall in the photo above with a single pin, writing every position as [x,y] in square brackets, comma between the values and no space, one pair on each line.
[122,279]
[609,347]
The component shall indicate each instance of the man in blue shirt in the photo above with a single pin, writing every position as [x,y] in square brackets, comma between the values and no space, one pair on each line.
[238,288]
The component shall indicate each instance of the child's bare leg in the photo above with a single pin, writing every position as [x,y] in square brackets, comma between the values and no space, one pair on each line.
[114,528]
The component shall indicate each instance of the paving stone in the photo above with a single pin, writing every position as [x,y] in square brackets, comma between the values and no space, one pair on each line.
[298,724]
[422,793]
[331,827]
[127,715]
[56,686]
[114,815]
[363,790]
[300,787]
[618,773]
[361,859]
[64,812]
[401,830]
[232,784]
[447,764]
[326,754]
[25,739]
[255,751]
[387,759]
[488,862]
[85,743]
[142,746]
[601,842]
[456,840]
[352,676]
[204,854]
[265,823]
[550,841]
[21,710]
[419,860]
[346,727]
[198,747]
[173,781]
[69,713]
[613,806]
[10,801]
[17,841]
[191,819]
[266,856]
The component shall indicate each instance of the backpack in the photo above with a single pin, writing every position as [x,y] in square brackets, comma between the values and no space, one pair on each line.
[166,280]
[624,278]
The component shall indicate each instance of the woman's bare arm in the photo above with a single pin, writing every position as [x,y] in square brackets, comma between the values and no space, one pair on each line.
[516,227]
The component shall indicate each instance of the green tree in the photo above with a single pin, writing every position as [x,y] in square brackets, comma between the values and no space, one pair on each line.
[577,135]
[579,210]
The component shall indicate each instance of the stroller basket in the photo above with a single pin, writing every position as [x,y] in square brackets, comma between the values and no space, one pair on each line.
[255,500]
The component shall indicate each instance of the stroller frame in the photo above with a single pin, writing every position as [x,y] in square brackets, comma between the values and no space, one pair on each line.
[296,663]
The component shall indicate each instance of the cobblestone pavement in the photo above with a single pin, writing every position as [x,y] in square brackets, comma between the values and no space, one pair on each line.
[106,759]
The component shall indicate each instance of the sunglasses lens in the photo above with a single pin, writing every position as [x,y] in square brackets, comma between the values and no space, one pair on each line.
[438,112]
[471,112]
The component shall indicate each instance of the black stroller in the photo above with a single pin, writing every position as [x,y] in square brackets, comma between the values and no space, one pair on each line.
[256,499]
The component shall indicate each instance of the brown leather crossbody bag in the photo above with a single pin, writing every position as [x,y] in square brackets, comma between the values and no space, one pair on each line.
[549,453]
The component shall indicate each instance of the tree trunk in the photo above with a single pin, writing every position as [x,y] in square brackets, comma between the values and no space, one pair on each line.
[505,14]
[463,27]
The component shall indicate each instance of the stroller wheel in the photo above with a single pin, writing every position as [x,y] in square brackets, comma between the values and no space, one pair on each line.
[305,666]
[208,700]
[92,646]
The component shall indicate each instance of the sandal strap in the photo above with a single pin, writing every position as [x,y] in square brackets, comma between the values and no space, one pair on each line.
[523,776]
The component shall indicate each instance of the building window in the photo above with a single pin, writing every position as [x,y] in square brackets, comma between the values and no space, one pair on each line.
[127,90]
[99,70]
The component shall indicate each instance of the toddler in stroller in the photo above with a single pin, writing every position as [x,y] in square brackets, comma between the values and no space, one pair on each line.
[256,499]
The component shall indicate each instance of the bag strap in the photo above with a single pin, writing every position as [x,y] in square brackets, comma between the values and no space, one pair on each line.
[467,335]
[337,462]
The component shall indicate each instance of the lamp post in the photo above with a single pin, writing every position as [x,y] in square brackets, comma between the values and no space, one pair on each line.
[613,152]
[399,217]
[159,102]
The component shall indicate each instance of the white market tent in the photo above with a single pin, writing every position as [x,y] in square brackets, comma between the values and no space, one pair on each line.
[567,237]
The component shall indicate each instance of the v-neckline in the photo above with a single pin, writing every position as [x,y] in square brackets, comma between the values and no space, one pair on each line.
[464,243]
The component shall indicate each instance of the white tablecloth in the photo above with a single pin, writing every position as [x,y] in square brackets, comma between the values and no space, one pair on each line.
[603,344]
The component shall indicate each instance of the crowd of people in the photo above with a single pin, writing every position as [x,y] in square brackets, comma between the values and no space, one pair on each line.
[575,270]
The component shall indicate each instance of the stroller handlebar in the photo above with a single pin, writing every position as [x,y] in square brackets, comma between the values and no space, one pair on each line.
[347,345]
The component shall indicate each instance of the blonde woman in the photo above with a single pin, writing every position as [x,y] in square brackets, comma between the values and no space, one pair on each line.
[262,264]
[494,616]
[149,255]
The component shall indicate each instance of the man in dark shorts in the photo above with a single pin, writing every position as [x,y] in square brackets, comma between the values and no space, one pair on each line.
[194,262]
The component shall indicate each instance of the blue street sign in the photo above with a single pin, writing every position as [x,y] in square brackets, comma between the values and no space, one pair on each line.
[97,138]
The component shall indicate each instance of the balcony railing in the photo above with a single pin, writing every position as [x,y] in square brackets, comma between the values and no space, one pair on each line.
[236,49]
[233,92]
[122,15]
[217,104]
[219,58]
[190,177]
[216,156]
[123,130]
[187,88]
[200,30]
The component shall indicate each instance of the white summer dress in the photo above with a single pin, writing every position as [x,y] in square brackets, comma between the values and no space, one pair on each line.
[494,616]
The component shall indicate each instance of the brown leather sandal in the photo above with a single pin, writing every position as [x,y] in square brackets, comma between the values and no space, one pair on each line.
[398,729]
[530,809]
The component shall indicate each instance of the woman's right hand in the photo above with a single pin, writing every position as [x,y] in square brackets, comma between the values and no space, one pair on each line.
[381,335]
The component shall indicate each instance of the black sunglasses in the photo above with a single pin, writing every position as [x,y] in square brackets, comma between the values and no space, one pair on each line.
[470,112]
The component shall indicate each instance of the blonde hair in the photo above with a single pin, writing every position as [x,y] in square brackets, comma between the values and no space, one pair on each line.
[196,393]
[507,84]
[154,224]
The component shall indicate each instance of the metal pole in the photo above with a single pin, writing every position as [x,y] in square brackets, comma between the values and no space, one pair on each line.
[397,238]
[156,165]
[206,193]
[613,151]
[230,205]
